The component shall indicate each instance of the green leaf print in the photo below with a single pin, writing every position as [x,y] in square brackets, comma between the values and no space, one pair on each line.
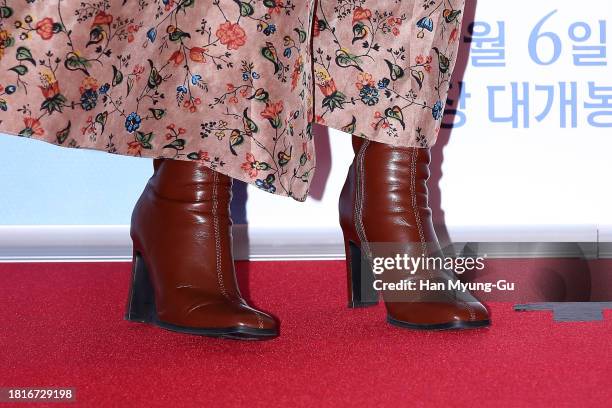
[154,78]
[157,113]
[301,34]
[236,139]
[20,69]
[5,12]
[395,71]
[419,76]
[76,63]
[63,134]
[345,59]
[248,122]
[178,144]
[269,53]
[396,113]
[359,32]
[117,76]
[246,9]
[144,139]
[350,128]
[101,119]
[334,101]
[260,95]
[24,54]
[96,35]
[53,104]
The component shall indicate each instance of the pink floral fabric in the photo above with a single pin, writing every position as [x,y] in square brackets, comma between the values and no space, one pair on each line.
[235,84]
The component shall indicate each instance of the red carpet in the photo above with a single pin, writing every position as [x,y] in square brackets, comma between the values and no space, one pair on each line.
[62,325]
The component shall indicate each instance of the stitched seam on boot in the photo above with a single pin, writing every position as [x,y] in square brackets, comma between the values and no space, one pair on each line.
[467,307]
[259,320]
[358,211]
[417,216]
[461,302]
[217,236]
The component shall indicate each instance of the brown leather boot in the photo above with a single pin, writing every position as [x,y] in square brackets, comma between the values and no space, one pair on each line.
[384,203]
[183,275]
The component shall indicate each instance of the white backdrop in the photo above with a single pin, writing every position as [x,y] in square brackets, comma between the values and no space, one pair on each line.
[496,179]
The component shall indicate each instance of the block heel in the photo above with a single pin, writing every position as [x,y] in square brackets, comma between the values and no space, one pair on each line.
[361,292]
[141,301]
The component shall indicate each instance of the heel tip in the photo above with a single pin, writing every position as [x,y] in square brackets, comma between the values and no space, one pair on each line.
[359,305]
[137,319]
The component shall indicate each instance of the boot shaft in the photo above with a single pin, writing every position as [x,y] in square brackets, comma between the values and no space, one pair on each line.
[183,192]
[385,191]
[190,181]
[183,226]
[183,259]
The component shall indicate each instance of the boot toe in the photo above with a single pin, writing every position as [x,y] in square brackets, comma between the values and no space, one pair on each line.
[223,319]
[252,318]
[440,315]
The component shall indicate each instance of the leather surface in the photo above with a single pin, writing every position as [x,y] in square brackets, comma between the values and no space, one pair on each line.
[384,206]
[181,225]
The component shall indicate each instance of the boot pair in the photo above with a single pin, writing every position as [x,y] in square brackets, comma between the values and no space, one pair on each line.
[183,276]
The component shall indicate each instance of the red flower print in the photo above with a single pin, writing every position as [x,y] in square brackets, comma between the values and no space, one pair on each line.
[364,79]
[272,110]
[249,166]
[190,105]
[203,156]
[453,35]
[34,124]
[88,83]
[177,57]
[138,70]
[276,9]
[102,19]
[50,90]
[231,35]
[328,87]
[361,14]
[196,54]
[316,28]
[44,28]
[297,70]
[169,5]
[235,86]
[272,113]
[134,148]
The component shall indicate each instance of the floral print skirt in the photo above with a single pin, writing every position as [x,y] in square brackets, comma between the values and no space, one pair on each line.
[235,84]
